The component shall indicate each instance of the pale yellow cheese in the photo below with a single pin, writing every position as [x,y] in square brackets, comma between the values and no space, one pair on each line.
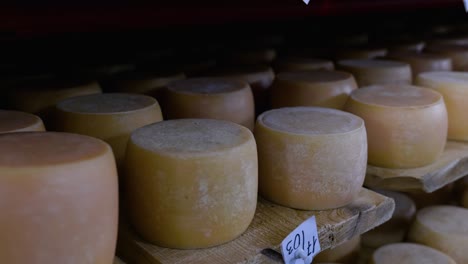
[346,252]
[110,117]
[454,87]
[214,98]
[423,62]
[15,121]
[302,64]
[310,158]
[458,54]
[406,125]
[368,72]
[60,192]
[360,53]
[444,228]
[409,253]
[191,183]
[315,88]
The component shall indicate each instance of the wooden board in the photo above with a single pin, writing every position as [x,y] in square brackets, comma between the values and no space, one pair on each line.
[451,166]
[271,224]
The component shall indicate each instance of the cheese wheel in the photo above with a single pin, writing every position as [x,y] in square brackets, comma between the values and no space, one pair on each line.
[406,125]
[444,228]
[214,98]
[310,158]
[316,88]
[15,121]
[395,229]
[110,117]
[191,183]
[60,192]
[346,252]
[423,62]
[145,83]
[368,72]
[409,253]
[458,54]
[454,87]
[360,53]
[302,64]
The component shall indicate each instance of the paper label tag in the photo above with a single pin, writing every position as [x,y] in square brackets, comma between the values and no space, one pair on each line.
[303,239]
[466,5]
[307,1]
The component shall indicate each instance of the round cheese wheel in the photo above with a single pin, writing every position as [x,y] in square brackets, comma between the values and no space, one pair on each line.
[110,117]
[444,228]
[458,54]
[346,252]
[423,62]
[360,53]
[15,121]
[310,158]
[60,192]
[302,64]
[368,72]
[315,88]
[214,98]
[191,183]
[406,125]
[454,87]
[395,229]
[409,253]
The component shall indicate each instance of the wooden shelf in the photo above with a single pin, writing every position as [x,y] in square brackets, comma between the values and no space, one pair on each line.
[451,166]
[272,223]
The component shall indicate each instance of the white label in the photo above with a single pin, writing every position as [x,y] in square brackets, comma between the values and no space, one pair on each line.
[307,1]
[302,243]
[466,5]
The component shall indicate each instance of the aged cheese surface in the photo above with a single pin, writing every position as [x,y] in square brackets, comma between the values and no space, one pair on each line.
[454,87]
[315,88]
[213,98]
[60,192]
[346,252]
[310,158]
[457,52]
[368,72]
[423,62]
[15,121]
[191,183]
[302,64]
[110,117]
[444,228]
[409,253]
[406,125]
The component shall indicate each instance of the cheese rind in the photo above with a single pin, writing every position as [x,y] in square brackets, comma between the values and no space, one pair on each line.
[454,87]
[457,52]
[406,125]
[369,72]
[409,253]
[15,121]
[346,252]
[316,88]
[191,183]
[60,192]
[444,228]
[310,158]
[423,62]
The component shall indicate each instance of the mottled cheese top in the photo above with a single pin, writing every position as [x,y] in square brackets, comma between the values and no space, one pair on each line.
[207,86]
[15,120]
[310,120]
[191,136]
[445,219]
[459,78]
[396,95]
[409,253]
[31,149]
[367,63]
[106,103]
[318,76]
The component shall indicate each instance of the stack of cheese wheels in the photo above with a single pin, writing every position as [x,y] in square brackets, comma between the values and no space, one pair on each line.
[409,253]
[110,117]
[423,62]
[346,252]
[444,228]
[191,183]
[315,88]
[260,79]
[396,228]
[215,98]
[60,194]
[15,121]
[406,125]
[303,64]
[303,149]
[360,53]
[368,72]
[453,86]
[458,54]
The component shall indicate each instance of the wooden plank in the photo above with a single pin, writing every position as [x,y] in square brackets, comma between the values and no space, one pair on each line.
[271,224]
[451,166]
